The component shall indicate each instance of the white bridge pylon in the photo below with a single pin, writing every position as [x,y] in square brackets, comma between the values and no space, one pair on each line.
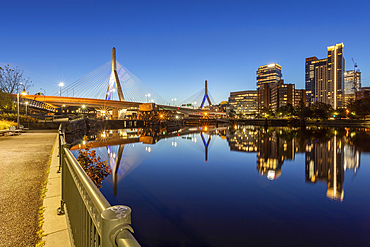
[114,80]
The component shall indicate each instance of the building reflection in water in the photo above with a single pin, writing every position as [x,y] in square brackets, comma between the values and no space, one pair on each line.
[272,146]
[328,153]
[324,162]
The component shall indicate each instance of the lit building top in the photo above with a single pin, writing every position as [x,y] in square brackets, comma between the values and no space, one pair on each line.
[270,73]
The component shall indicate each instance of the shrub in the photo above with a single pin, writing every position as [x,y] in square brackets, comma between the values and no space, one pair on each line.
[6,124]
[96,169]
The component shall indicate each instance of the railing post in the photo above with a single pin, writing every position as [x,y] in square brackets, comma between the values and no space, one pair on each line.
[60,133]
[60,210]
[114,220]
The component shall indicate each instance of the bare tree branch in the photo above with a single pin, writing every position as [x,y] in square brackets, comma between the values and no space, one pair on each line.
[12,80]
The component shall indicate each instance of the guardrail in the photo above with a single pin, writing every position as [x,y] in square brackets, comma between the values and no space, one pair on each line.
[91,220]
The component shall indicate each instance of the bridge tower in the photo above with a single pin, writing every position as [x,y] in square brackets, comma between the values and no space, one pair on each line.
[114,80]
[206,97]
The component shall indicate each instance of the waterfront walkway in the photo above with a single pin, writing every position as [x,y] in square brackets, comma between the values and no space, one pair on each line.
[24,160]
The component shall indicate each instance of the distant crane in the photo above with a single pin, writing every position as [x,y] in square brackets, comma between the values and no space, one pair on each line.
[355,75]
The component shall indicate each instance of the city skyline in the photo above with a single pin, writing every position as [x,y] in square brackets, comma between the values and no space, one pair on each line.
[174,48]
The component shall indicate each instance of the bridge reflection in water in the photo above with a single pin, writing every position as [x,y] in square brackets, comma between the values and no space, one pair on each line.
[117,147]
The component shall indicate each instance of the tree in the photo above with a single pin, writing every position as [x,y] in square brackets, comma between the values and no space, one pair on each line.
[359,108]
[6,103]
[267,112]
[286,110]
[321,110]
[10,80]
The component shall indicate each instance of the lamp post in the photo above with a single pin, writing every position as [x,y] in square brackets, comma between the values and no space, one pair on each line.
[26,107]
[174,99]
[61,84]
[147,95]
[44,92]
[23,93]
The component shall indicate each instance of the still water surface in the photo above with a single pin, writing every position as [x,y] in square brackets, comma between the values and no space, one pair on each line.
[241,185]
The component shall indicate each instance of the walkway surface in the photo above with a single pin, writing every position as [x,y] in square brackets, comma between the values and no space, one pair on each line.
[24,162]
[55,226]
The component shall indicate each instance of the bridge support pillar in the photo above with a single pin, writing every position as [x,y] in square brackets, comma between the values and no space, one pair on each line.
[115,114]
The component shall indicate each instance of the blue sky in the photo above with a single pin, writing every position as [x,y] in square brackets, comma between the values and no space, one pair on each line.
[173,46]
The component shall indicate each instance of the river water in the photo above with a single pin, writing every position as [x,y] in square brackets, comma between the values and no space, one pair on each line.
[241,185]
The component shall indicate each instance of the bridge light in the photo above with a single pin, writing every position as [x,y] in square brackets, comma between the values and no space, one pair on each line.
[61,84]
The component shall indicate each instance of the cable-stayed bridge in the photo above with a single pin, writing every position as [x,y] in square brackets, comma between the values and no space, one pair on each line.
[112,86]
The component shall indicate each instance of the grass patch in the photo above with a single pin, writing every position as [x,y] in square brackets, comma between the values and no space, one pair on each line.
[40,232]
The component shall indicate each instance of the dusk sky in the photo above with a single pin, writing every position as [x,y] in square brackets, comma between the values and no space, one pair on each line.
[173,46]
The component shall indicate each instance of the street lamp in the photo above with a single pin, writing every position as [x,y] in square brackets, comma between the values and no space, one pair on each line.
[44,92]
[26,107]
[23,93]
[174,99]
[147,95]
[61,84]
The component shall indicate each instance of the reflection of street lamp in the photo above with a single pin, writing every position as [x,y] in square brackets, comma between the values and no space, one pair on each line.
[61,84]
[147,95]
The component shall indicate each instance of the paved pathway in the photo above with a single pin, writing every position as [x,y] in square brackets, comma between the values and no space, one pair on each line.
[23,165]
[55,226]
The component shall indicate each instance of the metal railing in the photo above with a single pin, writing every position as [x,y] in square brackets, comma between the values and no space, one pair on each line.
[91,220]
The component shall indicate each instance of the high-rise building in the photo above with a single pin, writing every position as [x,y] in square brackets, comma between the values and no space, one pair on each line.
[268,74]
[352,84]
[281,95]
[263,97]
[316,74]
[324,78]
[299,95]
[244,102]
[335,93]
